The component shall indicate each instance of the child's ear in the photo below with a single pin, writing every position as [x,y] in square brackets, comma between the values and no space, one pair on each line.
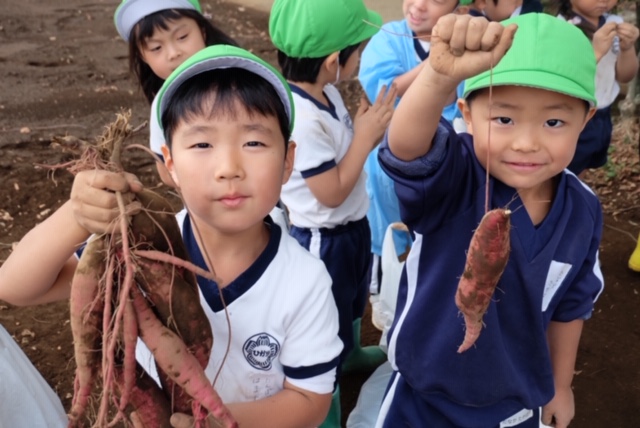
[332,61]
[465,109]
[588,116]
[288,161]
[169,179]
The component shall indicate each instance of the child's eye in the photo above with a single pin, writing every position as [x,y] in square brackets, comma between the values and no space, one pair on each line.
[183,37]
[254,144]
[201,145]
[153,48]
[503,120]
[554,123]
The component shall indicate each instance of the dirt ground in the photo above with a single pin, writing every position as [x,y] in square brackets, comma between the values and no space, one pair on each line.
[65,73]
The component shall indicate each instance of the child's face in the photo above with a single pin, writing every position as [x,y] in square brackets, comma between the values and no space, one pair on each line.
[229,168]
[422,15]
[534,133]
[591,9]
[502,10]
[166,49]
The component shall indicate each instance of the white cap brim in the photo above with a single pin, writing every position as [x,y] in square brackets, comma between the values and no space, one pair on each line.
[131,11]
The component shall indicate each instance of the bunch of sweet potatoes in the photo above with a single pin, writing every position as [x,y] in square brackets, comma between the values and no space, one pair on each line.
[131,285]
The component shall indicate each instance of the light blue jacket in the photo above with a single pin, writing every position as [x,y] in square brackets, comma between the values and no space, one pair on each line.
[389,54]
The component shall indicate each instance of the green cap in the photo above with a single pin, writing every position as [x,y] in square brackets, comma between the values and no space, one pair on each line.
[547,53]
[317,28]
[131,11]
[224,56]
[465,2]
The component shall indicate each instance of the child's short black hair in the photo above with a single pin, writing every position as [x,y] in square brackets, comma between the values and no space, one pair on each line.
[225,86]
[149,82]
[307,69]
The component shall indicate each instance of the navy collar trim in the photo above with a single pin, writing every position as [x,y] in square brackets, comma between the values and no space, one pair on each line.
[242,283]
[422,54]
[331,109]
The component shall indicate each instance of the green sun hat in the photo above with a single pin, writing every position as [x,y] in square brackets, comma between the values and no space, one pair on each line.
[317,28]
[547,53]
[224,56]
[465,2]
[131,11]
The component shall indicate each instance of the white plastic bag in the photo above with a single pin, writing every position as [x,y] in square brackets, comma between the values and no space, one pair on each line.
[365,413]
[384,306]
[26,400]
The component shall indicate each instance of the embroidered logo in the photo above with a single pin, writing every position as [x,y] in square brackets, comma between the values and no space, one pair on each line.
[260,350]
[346,119]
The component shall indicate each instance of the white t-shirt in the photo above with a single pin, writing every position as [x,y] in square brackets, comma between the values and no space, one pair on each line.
[284,321]
[323,136]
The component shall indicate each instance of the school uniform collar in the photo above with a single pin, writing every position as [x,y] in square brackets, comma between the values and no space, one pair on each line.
[242,283]
[533,238]
[331,109]
[422,54]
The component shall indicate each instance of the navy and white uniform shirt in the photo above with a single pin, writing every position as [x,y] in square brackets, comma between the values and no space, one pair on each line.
[323,135]
[283,318]
[553,274]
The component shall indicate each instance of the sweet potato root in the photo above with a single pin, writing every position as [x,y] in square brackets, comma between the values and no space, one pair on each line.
[486,260]
[109,277]
[86,306]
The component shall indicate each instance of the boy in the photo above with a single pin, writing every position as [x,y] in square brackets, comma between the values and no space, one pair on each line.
[318,43]
[226,116]
[536,100]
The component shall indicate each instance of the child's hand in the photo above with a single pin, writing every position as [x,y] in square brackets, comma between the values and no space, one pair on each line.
[95,206]
[560,410]
[628,35]
[180,420]
[371,121]
[603,39]
[463,46]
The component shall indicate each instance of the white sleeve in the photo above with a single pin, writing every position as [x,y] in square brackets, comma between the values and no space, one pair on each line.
[156,136]
[314,145]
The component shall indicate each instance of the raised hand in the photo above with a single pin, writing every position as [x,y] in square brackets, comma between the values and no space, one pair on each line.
[463,46]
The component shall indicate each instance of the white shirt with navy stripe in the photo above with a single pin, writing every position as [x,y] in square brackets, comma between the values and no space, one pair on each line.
[323,136]
[283,317]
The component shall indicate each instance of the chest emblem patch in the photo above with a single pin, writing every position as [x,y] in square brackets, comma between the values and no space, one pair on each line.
[260,350]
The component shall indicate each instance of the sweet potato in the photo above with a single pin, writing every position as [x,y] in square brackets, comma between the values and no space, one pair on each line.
[86,307]
[486,260]
[173,357]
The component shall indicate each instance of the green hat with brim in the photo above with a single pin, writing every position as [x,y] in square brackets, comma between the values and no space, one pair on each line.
[220,57]
[547,53]
[131,11]
[317,28]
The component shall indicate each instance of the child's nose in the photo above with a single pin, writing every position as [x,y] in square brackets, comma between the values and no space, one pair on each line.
[173,52]
[526,142]
[229,165]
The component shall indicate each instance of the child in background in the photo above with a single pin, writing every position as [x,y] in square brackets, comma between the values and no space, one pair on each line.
[227,118]
[499,10]
[395,55]
[162,34]
[318,46]
[535,99]
[614,46]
